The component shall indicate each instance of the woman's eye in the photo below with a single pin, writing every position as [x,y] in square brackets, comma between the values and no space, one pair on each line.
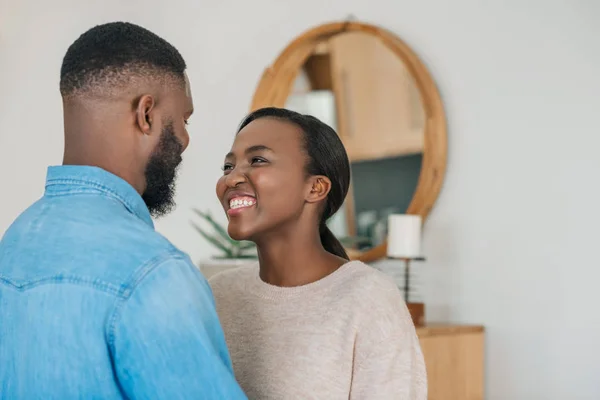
[227,167]
[185,121]
[258,160]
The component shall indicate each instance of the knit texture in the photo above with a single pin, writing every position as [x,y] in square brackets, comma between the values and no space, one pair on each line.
[346,336]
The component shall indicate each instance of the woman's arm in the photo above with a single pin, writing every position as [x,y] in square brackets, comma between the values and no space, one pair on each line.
[388,361]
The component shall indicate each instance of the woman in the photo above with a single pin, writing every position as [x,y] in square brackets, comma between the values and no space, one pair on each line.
[306,323]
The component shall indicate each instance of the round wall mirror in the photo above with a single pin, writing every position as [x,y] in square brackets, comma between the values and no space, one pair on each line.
[374,91]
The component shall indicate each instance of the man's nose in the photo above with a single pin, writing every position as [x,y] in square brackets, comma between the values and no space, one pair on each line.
[185,141]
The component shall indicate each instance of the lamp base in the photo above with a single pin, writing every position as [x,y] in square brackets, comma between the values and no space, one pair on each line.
[417,313]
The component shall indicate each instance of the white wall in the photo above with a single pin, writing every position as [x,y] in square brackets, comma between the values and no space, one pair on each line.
[512,241]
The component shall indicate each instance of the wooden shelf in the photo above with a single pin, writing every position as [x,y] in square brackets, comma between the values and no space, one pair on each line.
[454,357]
[437,329]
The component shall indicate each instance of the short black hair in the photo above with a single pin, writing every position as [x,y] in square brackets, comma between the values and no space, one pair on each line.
[108,54]
[326,155]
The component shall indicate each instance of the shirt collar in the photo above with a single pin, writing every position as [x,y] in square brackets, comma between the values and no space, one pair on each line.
[75,178]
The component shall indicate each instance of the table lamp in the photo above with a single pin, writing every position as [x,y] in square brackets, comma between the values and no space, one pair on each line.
[404,243]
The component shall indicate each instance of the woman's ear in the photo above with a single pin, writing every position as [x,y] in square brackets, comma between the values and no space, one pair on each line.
[319,188]
[144,110]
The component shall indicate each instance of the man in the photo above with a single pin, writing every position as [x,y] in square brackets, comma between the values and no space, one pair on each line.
[93,302]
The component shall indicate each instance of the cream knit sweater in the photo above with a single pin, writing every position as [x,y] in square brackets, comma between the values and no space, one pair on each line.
[346,336]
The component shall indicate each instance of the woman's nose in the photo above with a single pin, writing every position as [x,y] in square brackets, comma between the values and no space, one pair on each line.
[235,177]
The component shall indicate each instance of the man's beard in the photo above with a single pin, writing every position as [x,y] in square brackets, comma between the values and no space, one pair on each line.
[161,172]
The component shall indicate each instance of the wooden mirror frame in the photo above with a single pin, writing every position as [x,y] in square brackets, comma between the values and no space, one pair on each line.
[277,81]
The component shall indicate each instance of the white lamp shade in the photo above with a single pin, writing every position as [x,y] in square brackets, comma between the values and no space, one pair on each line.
[318,103]
[404,236]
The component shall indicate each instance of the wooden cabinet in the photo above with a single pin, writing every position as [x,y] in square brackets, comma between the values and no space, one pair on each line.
[377,103]
[379,107]
[454,357]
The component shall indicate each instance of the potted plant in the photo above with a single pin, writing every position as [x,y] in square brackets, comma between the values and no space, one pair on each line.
[232,253]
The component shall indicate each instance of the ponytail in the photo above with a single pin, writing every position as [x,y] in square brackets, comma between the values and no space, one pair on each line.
[331,243]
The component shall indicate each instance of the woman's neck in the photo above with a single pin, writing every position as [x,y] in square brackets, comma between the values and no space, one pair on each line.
[293,262]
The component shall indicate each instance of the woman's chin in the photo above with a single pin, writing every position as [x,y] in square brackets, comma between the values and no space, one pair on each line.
[236,232]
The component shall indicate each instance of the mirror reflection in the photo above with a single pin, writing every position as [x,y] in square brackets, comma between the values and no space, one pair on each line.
[354,83]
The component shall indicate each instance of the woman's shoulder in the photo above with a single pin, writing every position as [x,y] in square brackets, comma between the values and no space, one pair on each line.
[377,297]
[365,279]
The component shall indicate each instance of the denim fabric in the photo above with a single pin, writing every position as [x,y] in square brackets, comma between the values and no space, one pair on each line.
[95,304]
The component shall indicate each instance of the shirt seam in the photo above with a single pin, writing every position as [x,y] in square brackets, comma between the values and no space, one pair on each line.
[94,184]
[88,282]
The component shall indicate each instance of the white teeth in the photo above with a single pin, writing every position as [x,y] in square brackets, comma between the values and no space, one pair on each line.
[240,203]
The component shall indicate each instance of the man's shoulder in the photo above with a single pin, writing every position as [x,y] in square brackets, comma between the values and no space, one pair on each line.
[167,267]
[131,258]
[128,248]
[107,248]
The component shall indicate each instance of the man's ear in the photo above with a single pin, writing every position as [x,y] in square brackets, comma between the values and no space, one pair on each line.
[144,113]
[319,188]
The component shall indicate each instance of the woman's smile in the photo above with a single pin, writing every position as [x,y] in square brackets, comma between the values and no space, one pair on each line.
[239,204]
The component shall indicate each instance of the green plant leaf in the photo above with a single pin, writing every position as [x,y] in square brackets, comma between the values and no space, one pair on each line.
[246,245]
[212,240]
[221,239]
[216,226]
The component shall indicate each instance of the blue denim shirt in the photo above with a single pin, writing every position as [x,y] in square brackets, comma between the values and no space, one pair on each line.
[95,304]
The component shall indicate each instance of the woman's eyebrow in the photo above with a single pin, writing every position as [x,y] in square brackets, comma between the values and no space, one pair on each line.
[251,149]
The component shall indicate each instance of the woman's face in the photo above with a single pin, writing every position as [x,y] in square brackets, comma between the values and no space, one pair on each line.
[264,184]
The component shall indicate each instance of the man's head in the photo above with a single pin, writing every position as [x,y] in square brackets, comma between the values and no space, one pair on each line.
[127,101]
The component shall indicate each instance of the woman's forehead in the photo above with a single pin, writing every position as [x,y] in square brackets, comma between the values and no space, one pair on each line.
[270,133]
